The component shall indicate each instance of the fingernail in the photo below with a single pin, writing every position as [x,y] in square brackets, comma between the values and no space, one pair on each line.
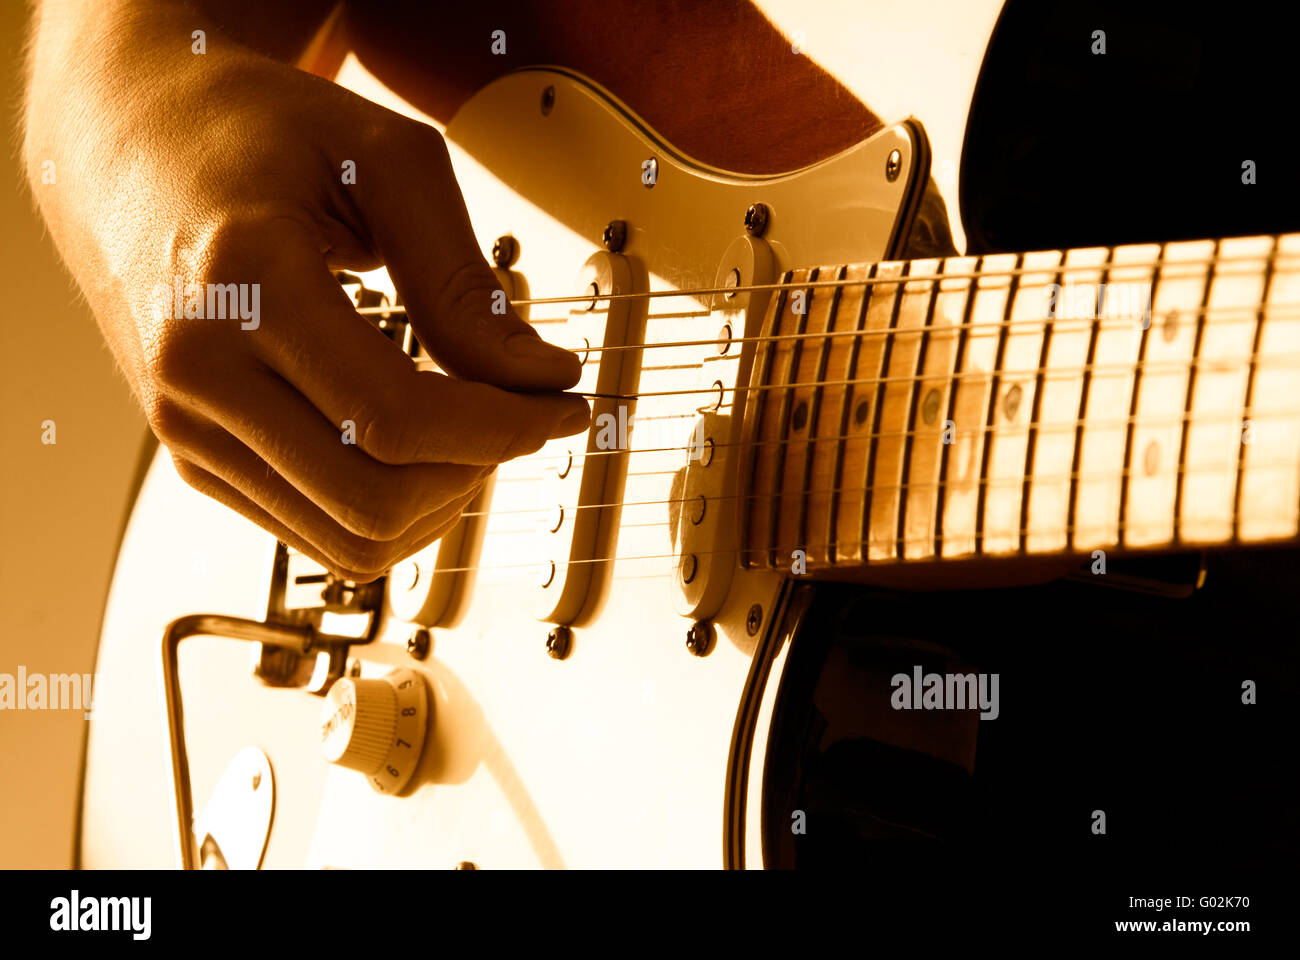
[527,346]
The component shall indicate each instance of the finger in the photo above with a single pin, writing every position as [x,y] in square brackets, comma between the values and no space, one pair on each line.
[314,338]
[419,225]
[297,522]
[278,447]
[211,486]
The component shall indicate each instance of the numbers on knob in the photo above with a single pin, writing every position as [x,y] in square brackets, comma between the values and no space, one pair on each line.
[392,725]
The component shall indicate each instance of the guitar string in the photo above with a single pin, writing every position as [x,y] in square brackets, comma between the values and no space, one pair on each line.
[1123,474]
[1257,359]
[1249,313]
[1010,481]
[1018,480]
[1221,314]
[1137,419]
[1239,314]
[1262,260]
[938,539]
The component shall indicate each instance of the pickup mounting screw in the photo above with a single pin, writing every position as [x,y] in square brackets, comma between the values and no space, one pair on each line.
[699,638]
[505,251]
[466,865]
[558,642]
[893,165]
[548,100]
[756,219]
[615,235]
[417,645]
[754,620]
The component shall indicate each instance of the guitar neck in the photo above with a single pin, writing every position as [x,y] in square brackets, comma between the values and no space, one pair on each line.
[1135,397]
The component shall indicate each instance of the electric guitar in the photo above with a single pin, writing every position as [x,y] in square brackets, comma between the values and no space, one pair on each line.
[827,453]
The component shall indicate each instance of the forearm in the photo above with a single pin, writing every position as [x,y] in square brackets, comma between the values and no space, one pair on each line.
[113,57]
[115,91]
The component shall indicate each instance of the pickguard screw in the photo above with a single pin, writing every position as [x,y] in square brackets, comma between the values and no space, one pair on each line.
[505,251]
[754,620]
[615,235]
[466,865]
[417,645]
[699,638]
[548,100]
[257,779]
[756,219]
[558,642]
[354,668]
[893,165]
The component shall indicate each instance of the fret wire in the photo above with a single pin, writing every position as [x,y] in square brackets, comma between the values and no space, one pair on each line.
[786,411]
[815,396]
[1085,395]
[930,292]
[1210,274]
[959,359]
[995,384]
[875,408]
[1248,399]
[1131,428]
[1031,440]
[850,366]
[755,421]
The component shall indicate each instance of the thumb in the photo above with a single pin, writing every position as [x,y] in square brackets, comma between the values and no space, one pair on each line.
[418,223]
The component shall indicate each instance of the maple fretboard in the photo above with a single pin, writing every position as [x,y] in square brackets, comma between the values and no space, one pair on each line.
[1140,396]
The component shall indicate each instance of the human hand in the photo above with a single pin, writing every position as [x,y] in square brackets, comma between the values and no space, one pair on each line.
[179,169]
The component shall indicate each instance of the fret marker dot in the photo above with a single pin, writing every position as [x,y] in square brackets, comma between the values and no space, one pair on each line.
[1151,458]
[860,413]
[1171,326]
[800,418]
[1011,403]
[930,407]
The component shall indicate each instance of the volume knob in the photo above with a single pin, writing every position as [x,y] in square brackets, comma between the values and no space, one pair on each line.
[376,727]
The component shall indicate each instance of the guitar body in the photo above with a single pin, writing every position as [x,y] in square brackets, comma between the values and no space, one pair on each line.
[617,754]
[636,748]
